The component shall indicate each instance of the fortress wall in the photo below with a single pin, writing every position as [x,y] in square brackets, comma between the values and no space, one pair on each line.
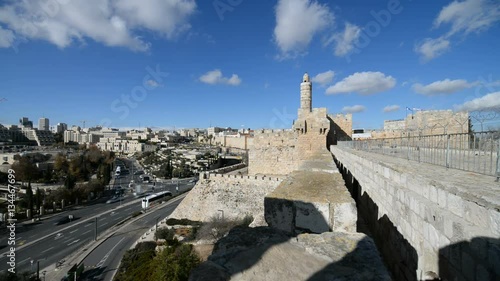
[394,125]
[243,142]
[273,153]
[341,127]
[235,196]
[426,218]
[272,160]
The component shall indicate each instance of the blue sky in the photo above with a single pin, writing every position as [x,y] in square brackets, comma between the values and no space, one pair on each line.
[186,63]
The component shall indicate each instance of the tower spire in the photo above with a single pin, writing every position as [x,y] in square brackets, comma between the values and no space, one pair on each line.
[306,93]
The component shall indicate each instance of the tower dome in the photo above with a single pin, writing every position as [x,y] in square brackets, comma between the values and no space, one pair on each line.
[305,78]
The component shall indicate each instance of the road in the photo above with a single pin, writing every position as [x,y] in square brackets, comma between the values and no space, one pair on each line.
[102,263]
[47,242]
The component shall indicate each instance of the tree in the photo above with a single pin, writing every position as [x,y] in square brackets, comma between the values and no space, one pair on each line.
[175,263]
[25,170]
[29,198]
[38,198]
[61,164]
[70,181]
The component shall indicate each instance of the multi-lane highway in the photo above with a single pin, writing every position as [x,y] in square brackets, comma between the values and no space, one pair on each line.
[48,242]
[103,262]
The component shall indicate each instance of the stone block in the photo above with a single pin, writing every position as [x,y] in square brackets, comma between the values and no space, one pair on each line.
[458,232]
[433,194]
[494,217]
[448,228]
[455,204]
[475,214]
[344,216]
[280,214]
[442,198]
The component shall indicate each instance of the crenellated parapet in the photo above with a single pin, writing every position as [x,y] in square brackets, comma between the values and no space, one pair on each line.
[212,176]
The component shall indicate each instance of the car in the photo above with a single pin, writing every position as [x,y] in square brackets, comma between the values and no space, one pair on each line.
[113,199]
[65,219]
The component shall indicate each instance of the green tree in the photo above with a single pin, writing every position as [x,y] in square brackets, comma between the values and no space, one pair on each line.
[26,171]
[61,164]
[175,263]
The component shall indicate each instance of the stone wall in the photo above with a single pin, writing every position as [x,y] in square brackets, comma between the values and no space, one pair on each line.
[426,218]
[341,127]
[394,125]
[312,202]
[241,142]
[438,122]
[273,153]
[236,196]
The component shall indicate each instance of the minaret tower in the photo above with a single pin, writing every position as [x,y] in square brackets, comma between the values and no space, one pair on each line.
[306,94]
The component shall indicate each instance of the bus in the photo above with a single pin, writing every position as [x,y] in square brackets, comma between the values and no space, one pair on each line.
[148,200]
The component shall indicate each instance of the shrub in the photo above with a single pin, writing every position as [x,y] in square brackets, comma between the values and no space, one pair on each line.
[175,263]
[164,233]
[173,221]
[136,263]
[218,227]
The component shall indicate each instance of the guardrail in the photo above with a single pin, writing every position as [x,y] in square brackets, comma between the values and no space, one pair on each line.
[476,152]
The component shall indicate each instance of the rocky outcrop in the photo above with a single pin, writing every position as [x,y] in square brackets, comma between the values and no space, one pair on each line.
[265,253]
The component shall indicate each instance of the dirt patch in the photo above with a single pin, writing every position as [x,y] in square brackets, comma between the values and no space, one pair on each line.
[203,250]
[183,231]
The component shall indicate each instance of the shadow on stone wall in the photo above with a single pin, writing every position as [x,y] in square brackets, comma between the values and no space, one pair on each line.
[335,134]
[478,260]
[399,255]
[265,253]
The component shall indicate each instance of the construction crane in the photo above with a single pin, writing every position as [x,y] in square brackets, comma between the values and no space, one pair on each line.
[83,123]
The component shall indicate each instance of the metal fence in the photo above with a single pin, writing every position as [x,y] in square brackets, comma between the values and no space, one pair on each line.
[477,152]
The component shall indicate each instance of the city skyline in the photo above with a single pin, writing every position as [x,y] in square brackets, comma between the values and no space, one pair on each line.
[239,63]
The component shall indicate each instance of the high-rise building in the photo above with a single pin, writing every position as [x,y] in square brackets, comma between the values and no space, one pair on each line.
[61,127]
[25,123]
[43,124]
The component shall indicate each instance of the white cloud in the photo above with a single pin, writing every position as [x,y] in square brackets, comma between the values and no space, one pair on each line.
[344,41]
[489,102]
[297,21]
[469,16]
[391,108]
[324,78]
[152,83]
[445,86]
[110,22]
[215,77]
[6,38]
[463,17]
[432,48]
[364,83]
[353,109]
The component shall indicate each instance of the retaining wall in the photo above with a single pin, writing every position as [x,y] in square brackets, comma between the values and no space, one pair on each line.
[425,218]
